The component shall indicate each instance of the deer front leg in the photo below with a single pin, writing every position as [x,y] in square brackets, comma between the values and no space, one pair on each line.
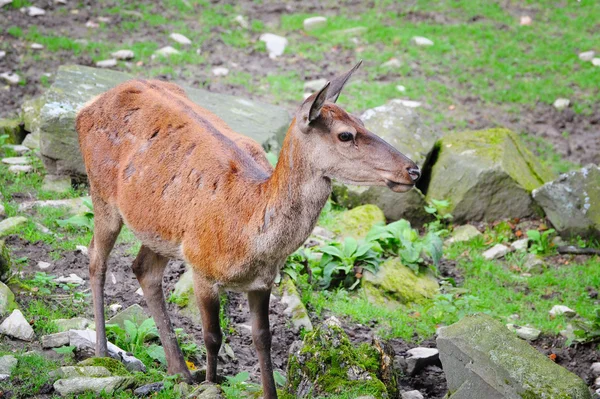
[261,335]
[207,297]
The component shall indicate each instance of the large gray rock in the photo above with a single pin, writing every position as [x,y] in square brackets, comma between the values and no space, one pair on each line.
[403,128]
[483,359]
[572,202]
[79,385]
[53,116]
[16,326]
[486,175]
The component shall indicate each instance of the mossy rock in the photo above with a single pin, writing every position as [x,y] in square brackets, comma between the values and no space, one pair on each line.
[114,366]
[7,300]
[326,363]
[5,262]
[396,284]
[486,175]
[358,221]
[13,127]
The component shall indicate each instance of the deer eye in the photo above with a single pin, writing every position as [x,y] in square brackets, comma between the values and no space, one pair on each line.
[345,136]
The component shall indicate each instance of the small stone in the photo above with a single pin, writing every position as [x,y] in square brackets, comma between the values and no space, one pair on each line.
[92,24]
[16,161]
[149,389]
[56,184]
[526,333]
[275,44]
[70,279]
[464,233]
[105,20]
[401,88]
[520,245]
[412,395]
[561,103]
[139,291]
[419,358]
[533,264]
[16,169]
[595,61]
[595,369]
[75,323]
[409,103]
[11,223]
[220,71]
[525,20]
[123,54]
[7,364]
[73,205]
[314,85]
[392,63]
[166,51]
[558,310]
[179,38]
[18,148]
[587,55]
[55,340]
[242,21]
[36,46]
[16,326]
[496,252]
[115,307]
[314,23]
[107,63]
[10,78]
[356,31]
[597,382]
[44,265]
[81,248]
[421,41]
[35,11]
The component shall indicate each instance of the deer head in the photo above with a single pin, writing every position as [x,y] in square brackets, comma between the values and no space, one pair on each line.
[341,147]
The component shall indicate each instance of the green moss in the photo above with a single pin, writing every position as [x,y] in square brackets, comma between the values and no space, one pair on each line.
[358,221]
[13,127]
[114,366]
[5,262]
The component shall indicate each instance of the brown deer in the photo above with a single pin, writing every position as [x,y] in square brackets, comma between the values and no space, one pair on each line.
[191,188]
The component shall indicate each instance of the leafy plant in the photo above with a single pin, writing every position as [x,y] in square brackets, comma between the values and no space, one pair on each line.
[437,208]
[540,241]
[84,220]
[3,139]
[587,330]
[346,262]
[297,262]
[237,386]
[132,337]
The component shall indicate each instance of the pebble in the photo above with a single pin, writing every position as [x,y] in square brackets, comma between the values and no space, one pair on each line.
[10,78]
[526,333]
[42,229]
[82,248]
[107,63]
[561,103]
[412,395]
[20,168]
[314,23]
[587,55]
[275,44]
[5,2]
[422,41]
[356,31]
[115,307]
[139,291]
[16,326]
[166,51]
[36,46]
[34,11]
[92,24]
[596,62]
[463,233]
[2,54]
[61,2]
[314,85]
[16,161]
[71,279]
[520,245]
[419,358]
[597,382]
[242,21]
[409,103]
[220,71]
[44,265]
[123,54]
[496,252]
[179,38]
[595,369]
[525,20]
[401,88]
[558,310]
[105,20]
[392,63]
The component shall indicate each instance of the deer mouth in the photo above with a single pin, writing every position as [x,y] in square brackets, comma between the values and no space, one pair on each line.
[398,187]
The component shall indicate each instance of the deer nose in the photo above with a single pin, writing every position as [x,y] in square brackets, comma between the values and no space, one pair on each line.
[414,173]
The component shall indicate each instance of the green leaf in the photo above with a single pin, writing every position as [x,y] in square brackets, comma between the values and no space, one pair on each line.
[350,245]
[279,378]
[77,221]
[238,378]
[434,247]
[333,251]
[88,203]
[533,235]
[65,350]
[157,353]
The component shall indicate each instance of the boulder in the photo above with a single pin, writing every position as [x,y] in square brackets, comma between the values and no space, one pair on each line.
[486,175]
[16,326]
[80,385]
[572,202]
[53,115]
[135,313]
[396,284]
[326,363]
[483,359]
[358,221]
[403,128]
[5,262]
[7,300]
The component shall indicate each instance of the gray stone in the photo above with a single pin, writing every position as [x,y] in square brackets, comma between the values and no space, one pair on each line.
[76,85]
[526,333]
[73,205]
[10,78]
[275,44]
[421,41]
[135,313]
[220,71]
[572,202]
[36,46]
[533,264]
[18,148]
[595,369]
[9,224]
[587,55]
[16,326]
[70,279]
[314,23]
[7,300]
[181,39]
[111,62]
[33,11]
[7,364]
[419,358]
[149,389]
[294,306]
[313,86]
[596,62]
[403,128]
[561,310]
[561,103]
[485,175]
[242,21]
[79,371]
[2,211]
[80,385]
[56,184]
[55,340]
[483,359]
[85,342]
[496,252]
[393,63]
[32,141]
[75,323]
[520,245]
[18,169]
[412,395]
[464,233]
[123,54]
[166,51]
[16,161]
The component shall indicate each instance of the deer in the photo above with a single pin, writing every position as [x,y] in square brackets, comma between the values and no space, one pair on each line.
[192,189]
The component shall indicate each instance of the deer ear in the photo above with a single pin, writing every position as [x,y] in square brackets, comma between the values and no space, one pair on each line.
[314,103]
[337,83]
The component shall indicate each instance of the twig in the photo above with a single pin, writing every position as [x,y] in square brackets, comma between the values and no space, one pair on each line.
[570,249]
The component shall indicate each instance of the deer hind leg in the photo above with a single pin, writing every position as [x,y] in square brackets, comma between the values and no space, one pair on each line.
[261,335]
[107,225]
[207,297]
[149,268]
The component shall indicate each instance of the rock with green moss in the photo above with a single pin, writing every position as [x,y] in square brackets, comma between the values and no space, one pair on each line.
[572,202]
[114,366]
[13,128]
[326,363]
[404,129]
[53,115]
[396,284]
[7,300]
[358,221]
[483,359]
[294,306]
[5,262]
[486,175]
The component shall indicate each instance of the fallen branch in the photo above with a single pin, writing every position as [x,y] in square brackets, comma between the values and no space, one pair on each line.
[572,250]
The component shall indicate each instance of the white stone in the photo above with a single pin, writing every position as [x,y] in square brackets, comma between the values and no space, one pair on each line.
[7,364]
[520,245]
[123,54]
[55,340]
[220,71]
[2,54]
[166,51]
[401,88]
[421,41]
[18,148]
[11,223]
[595,369]
[92,24]
[561,103]
[10,78]
[418,358]
[275,44]
[392,63]
[16,161]
[139,291]
[85,341]
[20,169]
[412,395]
[242,21]
[111,62]
[587,55]
[35,11]
[496,252]
[314,23]
[179,38]
[16,326]
[5,2]
[44,265]
[115,307]
[525,20]
[407,103]
[2,210]
[558,310]
[71,279]
[526,333]
[314,85]
[82,248]
[595,61]
[36,46]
